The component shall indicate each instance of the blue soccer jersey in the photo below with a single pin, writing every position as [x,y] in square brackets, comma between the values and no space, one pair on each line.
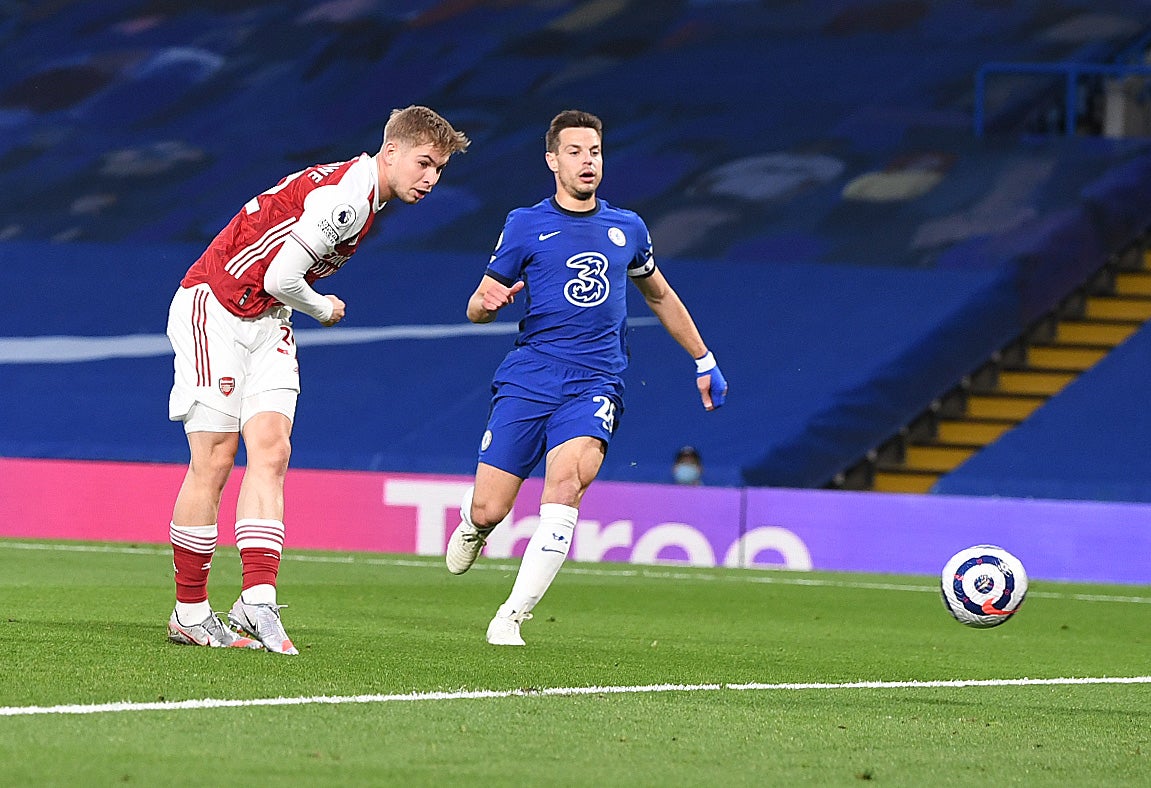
[575,268]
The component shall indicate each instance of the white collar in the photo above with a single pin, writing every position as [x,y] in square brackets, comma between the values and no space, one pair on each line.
[375,168]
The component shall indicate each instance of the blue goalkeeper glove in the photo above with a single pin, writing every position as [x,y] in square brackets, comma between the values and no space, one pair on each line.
[710,381]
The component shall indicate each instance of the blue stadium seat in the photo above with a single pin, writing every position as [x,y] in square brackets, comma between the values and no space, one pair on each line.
[808,170]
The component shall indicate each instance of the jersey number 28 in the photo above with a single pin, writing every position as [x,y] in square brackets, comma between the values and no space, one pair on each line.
[605,412]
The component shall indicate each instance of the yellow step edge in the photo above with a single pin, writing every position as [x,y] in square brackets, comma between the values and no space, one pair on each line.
[895,482]
[975,433]
[936,459]
[1109,334]
[1040,383]
[989,406]
[1118,308]
[1070,358]
[1133,283]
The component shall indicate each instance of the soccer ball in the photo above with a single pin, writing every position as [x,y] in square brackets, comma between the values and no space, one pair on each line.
[983,586]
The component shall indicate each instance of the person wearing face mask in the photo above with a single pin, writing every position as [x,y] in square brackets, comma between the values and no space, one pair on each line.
[688,466]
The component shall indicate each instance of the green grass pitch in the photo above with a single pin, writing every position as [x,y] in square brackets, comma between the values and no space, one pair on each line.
[83,625]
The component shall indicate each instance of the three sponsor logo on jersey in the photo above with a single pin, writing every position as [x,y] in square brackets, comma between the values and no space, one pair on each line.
[590,286]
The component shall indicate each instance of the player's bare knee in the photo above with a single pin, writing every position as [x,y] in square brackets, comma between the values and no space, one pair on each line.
[270,457]
[488,513]
[565,491]
[211,471]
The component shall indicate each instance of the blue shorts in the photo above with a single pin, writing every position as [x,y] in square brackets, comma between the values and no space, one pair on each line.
[538,403]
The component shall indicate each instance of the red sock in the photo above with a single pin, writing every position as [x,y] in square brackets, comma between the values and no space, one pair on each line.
[261,542]
[192,551]
[260,567]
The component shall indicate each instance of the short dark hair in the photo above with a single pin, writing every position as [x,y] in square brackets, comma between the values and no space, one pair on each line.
[571,119]
[688,453]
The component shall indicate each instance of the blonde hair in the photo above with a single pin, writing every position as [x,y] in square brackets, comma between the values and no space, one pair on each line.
[416,125]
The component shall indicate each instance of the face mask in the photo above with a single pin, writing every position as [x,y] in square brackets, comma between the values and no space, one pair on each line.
[686,473]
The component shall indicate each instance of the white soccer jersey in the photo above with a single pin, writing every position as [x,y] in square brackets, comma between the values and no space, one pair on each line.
[327,208]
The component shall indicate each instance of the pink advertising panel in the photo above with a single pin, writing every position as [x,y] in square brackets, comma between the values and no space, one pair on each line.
[619,522]
[1089,541]
[132,502]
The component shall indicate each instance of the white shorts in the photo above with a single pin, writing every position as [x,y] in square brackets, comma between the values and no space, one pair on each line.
[230,365]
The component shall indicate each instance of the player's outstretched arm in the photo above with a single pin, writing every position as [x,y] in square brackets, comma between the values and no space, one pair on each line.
[672,313]
[489,298]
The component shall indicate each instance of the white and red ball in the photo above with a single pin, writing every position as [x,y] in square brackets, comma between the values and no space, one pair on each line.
[983,586]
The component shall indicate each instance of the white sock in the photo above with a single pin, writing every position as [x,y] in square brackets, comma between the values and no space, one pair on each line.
[543,557]
[192,613]
[466,506]
[262,594]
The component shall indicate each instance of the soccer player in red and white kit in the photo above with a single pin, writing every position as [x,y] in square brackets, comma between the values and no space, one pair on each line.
[236,372]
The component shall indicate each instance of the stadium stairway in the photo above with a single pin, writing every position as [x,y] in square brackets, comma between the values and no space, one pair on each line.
[1014,382]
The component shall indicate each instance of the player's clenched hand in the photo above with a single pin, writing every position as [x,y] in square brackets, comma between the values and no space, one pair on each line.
[710,381]
[497,296]
[337,311]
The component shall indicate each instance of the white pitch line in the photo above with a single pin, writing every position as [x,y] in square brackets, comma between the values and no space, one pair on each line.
[777,577]
[215,703]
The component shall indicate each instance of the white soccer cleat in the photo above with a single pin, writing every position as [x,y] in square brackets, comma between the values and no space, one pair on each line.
[504,629]
[464,547]
[209,632]
[263,623]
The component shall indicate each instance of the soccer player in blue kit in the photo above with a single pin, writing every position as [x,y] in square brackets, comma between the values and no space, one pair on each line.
[557,394]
